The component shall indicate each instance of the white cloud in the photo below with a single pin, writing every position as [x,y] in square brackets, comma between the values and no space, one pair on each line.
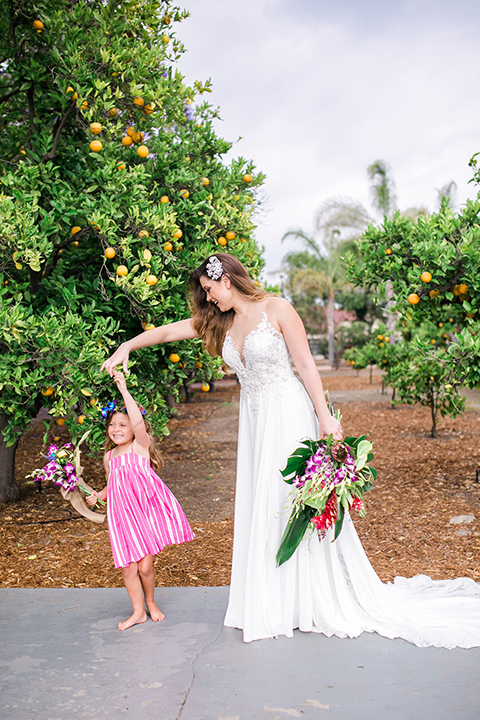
[320,90]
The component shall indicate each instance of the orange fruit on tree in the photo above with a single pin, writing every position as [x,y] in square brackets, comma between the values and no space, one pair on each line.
[164,199]
[83,106]
[177,234]
[121,165]
[230,235]
[96,146]
[127,141]
[138,101]
[174,358]
[433,294]
[222,241]
[109,253]
[96,128]
[75,229]
[149,326]
[143,151]
[151,280]
[61,421]
[165,38]
[48,391]
[205,181]
[75,243]
[143,233]
[185,194]
[122,270]
[388,251]
[148,109]
[81,419]
[247,178]
[130,131]
[379,337]
[426,276]
[137,137]
[462,289]
[69,90]
[38,25]
[168,246]
[413,299]
[456,290]
[205,387]
[113,112]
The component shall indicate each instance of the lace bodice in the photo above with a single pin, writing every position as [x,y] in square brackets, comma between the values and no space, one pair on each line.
[265,367]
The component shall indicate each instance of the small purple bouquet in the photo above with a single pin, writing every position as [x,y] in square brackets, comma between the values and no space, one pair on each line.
[327,478]
[63,467]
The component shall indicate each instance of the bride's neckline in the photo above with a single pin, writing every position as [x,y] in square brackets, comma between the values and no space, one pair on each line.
[262,321]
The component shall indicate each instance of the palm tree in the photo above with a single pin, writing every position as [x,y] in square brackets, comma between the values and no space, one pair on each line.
[322,272]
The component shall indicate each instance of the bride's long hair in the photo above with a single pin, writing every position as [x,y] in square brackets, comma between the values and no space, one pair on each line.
[210,323]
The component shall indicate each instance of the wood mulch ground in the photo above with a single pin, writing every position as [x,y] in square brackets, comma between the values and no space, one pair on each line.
[422,483]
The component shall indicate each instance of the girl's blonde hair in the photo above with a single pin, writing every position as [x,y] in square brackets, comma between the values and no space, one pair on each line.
[156,460]
[210,323]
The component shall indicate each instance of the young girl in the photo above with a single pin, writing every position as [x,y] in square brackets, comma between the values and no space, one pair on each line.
[143,515]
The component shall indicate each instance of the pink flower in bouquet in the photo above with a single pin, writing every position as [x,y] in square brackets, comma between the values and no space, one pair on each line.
[358,505]
[328,517]
[339,452]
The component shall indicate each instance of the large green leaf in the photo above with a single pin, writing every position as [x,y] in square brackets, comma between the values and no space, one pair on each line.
[293,534]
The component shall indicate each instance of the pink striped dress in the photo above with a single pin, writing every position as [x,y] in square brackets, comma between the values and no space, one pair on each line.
[143,514]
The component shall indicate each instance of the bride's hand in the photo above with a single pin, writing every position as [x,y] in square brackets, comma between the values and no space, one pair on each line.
[330,426]
[119,357]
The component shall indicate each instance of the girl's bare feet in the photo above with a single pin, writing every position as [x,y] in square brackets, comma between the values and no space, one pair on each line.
[155,613]
[134,619]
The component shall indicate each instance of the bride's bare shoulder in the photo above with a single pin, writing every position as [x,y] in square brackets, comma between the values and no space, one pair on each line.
[279,308]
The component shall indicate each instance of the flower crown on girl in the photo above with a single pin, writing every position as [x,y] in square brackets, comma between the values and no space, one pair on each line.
[113,407]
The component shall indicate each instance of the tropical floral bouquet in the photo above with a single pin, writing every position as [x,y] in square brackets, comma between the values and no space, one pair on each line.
[328,478]
[63,467]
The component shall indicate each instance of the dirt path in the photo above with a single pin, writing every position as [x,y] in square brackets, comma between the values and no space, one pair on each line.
[422,484]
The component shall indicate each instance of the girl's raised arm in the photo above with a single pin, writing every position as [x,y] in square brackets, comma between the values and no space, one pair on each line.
[133,412]
[181,330]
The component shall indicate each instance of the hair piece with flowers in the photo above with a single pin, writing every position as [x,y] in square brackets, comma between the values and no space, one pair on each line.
[214,268]
[112,407]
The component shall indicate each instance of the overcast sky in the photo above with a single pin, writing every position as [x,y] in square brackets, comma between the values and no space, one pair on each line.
[320,89]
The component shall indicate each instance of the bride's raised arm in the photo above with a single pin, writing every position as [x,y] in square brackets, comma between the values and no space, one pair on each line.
[283,314]
[181,330]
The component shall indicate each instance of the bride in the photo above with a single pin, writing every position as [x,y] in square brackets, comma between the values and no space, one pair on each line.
[329,586]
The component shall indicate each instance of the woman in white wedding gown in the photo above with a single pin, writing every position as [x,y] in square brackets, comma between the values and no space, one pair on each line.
[327,587]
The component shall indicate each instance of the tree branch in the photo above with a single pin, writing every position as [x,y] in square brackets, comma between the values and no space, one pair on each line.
[5,97]
[51,154]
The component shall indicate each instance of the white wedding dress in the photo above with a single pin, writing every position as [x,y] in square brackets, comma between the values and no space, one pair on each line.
[326,587]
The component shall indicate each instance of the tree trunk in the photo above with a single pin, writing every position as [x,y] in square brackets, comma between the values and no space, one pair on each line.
[331,328]
[9,490]
[433,410]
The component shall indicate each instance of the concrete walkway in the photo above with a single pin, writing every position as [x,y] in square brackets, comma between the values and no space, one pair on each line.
[62,657]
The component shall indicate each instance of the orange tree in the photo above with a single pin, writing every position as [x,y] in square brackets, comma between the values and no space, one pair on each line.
[112,188]
[415,376]
[432,265]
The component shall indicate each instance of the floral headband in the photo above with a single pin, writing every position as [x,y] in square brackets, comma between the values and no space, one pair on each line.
[214,268]
[112,407]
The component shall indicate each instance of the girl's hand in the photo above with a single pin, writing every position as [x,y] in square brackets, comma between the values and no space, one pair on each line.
[119,379]
[92,499]
[119,357]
